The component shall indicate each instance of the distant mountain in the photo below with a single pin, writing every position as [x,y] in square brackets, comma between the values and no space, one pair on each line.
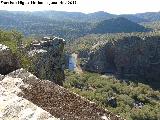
[134,18]
[96,16]
[75,16]
[100,16]
[92,17]
[31,24]
[150,16]
[118,25]
[69,25]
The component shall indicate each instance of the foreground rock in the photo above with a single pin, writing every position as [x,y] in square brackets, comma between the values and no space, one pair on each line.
[47,56]
[22,91]
[8,61]
[129,57]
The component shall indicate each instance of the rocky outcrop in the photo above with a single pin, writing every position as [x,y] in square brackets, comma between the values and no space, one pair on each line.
[128,57]
[24,96]
[47,57]
[13,107]
[8,61]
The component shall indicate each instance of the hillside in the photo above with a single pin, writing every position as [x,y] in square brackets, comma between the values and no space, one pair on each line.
[120,73]
[96,16]
[118,25]
[29,24]
[26,96]
[75,16]
[68,25]
[150,16]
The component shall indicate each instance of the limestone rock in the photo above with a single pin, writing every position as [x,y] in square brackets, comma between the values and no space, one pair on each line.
[130,57]
[1,77]
[47,56]
[14,107]
[8,61]
[21,91]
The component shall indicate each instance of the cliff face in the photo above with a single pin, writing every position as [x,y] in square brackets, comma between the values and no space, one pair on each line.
[24,96]
[47,57]
[8,61]
[130,56]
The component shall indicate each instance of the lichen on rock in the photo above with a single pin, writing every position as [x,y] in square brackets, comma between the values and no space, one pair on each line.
[25,96]
[15,107]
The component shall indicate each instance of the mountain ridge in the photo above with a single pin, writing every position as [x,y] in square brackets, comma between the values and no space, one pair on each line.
[91,17]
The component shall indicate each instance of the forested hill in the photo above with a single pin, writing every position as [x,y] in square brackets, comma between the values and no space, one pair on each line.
[91,17]
[31,24]
[150,16]
[82,17]
[75,16]
[69,25]
[118,25]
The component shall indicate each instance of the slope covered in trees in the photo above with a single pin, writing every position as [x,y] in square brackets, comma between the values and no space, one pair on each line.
[130,100]
[57,23]
[93,17]
[118,25]
[150,16]
[42,26]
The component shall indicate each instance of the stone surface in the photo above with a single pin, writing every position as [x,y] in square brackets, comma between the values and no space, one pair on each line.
[48,61]
[14,107]
[56,100]
[129,57]
[8,61]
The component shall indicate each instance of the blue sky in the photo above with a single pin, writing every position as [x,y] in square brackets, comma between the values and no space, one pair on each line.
[89,6]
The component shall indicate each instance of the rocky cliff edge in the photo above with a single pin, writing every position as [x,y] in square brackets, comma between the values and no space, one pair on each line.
[25,97]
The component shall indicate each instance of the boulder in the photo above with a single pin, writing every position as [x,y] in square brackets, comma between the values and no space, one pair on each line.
[138,104]
[112,102]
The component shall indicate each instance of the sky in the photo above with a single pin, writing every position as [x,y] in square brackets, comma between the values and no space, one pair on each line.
[88,6]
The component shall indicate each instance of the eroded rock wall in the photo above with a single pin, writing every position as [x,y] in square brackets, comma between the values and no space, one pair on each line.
[48,59]
[130,56]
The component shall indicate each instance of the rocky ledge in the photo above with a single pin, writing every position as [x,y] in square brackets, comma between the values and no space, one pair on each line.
[25,97]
